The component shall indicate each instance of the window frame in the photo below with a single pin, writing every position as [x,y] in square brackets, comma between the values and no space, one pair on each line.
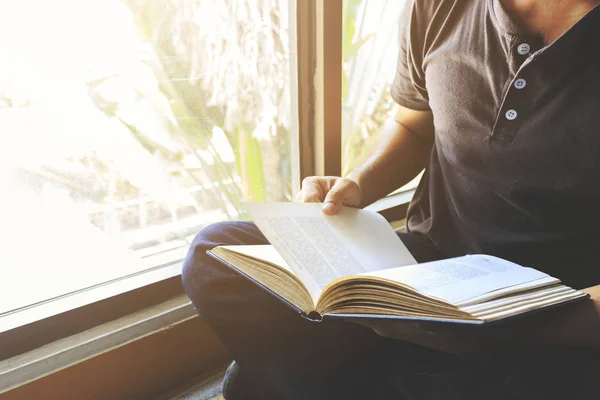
[77,312]
[317,64]
[316,77]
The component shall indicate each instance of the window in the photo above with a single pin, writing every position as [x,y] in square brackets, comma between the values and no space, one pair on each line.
[369,55]
[126,126]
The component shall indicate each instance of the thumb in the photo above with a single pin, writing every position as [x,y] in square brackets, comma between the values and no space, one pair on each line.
[334,199]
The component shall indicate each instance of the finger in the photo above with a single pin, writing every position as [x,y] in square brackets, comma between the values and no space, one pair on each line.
[335,198]
[311,198]
[331,207]
[302,197]
[311,190]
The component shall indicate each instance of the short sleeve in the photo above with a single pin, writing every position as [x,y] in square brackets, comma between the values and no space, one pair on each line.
[408,88]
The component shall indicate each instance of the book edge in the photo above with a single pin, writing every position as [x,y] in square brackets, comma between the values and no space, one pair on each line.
[257,283]
[454,321]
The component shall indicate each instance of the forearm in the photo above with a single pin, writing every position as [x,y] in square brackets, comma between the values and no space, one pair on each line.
[400,154]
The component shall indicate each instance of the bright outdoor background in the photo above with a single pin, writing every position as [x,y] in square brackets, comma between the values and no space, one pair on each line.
[128,125]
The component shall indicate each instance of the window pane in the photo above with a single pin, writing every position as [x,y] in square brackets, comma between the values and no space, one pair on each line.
[127,126]
[369,52]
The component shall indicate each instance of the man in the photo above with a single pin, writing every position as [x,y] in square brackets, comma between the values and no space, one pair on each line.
[499,100]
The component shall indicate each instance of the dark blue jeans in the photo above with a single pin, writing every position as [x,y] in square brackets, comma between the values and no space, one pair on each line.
[288,357]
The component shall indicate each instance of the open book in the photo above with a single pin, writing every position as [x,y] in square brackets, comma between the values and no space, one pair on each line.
[353,265]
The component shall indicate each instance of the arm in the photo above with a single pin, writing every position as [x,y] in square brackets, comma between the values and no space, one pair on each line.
[401,152]
[405,143]
[575,325]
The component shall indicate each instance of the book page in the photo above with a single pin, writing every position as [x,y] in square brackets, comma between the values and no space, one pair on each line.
[320,248]
[264,252]
[458,280]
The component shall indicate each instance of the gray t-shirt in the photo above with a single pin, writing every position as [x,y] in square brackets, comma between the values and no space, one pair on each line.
[515,168]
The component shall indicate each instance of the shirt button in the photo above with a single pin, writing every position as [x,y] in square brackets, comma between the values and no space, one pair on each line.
[520,83]
[524,49]
[511,115]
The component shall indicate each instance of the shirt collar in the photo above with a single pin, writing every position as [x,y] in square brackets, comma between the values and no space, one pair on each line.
[502,19]
[576,45]
[506,23]
[579,44]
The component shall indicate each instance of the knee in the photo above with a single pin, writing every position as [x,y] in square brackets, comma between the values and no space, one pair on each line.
[208,238]
[199,269]
[213,235]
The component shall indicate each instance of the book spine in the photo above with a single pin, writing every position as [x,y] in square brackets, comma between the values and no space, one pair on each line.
[312,316]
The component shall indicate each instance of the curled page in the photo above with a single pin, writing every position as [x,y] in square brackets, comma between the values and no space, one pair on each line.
[320,248]
[457,280]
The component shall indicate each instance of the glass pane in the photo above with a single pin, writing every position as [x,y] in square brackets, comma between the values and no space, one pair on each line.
[127,126]
[369,52]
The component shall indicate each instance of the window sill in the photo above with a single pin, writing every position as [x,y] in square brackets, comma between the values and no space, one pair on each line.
[43,361]
[80,311]
[36,312]
[140,356]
